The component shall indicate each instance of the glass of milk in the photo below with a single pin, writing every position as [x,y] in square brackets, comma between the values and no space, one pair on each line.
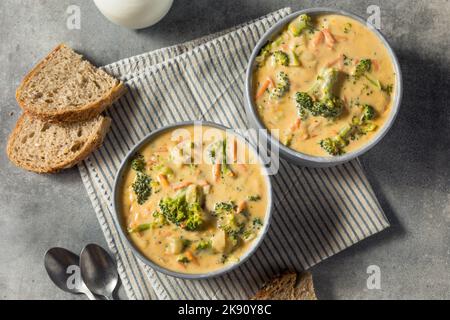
[134,14]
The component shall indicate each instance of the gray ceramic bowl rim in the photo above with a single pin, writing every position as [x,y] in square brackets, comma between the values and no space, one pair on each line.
[118,219]
[289,153]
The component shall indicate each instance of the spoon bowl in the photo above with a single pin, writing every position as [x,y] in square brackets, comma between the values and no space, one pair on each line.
[62,268]
[98,270]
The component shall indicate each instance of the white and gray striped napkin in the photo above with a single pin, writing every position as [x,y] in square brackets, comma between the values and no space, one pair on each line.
[318,212]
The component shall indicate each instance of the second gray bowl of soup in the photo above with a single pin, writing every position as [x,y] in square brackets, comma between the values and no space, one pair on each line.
[325,55]
[232,203]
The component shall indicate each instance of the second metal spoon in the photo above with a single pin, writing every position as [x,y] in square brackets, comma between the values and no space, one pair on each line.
[98,270]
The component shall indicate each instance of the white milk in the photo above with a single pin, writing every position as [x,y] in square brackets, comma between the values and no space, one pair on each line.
[134,14]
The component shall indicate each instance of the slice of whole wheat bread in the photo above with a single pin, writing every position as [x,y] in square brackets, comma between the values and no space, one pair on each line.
[64,87]
[44,147]
[288,286]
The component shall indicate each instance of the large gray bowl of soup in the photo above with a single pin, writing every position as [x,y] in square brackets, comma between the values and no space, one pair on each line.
[193,200]
[325,86]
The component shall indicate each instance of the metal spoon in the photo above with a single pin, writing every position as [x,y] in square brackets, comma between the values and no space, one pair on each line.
[62,268]
[98,270]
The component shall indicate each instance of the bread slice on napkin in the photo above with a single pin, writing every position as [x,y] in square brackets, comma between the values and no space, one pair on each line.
[44,147]
[288,286]
[64,87]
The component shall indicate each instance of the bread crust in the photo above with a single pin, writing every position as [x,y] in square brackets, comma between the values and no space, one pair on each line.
[93,142]
[85,112]
[295,287]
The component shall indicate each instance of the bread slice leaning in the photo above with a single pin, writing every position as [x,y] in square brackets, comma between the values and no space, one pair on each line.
[288,286]
[64,87]
[44,147]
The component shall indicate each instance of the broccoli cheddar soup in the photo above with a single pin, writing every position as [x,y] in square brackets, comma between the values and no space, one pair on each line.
[325,83]
[190,203]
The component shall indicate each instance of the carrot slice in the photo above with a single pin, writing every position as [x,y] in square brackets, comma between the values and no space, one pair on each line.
[191,257]
[329,39]
[234,150]
[375,64]
[181,185]
[264,87]
[231,173]
[296,124]
[318,38]
[162,179]
[216,172]
[241,206]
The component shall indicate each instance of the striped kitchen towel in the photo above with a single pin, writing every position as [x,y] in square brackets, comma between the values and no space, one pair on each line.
[318,212]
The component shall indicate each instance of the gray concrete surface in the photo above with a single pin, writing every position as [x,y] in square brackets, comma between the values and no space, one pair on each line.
[409,169]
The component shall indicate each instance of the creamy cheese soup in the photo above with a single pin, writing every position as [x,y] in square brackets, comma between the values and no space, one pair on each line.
[325,83]
[190,204]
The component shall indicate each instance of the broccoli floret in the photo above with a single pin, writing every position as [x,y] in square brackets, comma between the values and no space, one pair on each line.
[178,211]
[224,207]
[254,198]
[282,86]
[335,145]
[140,228]
[263,54]
[327,105]
[294,61]
[194,217]
[251,232]
[305,104]
[301,23]
[159,220]
[166,171]
[215,151]
[142,187]
[138,163]
[328,108]
[368,127]
[194,194]
[347,27]
[174,209]
[364,66]
[368,112]
[229,223]
[257,223]
[281,58]
[359,126]
[331,146]
[204,245]
[228,220]
[226,170]
[388,89]
[288,140]
[183,259]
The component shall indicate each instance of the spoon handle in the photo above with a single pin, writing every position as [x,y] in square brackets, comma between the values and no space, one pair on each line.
[90,295]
